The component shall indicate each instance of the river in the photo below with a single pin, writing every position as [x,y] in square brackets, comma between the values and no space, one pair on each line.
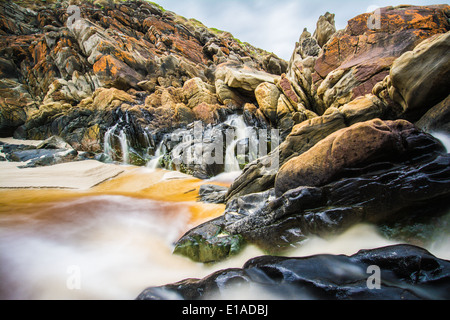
[113,240]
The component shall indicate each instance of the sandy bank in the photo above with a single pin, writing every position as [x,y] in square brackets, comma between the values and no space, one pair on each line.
[75,175]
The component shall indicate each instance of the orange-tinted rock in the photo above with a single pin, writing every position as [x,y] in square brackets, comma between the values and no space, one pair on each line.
[209,113]
[371,52]
[114,72]
[285,85]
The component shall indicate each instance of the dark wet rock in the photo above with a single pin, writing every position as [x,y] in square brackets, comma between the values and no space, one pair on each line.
[209,243]
[376,197]
[198,150]
[52,151]
[405,273]
[54,142]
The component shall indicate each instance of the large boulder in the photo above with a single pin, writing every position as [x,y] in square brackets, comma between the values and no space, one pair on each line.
[242,77]
[267,95]
[196,92]
[360,144]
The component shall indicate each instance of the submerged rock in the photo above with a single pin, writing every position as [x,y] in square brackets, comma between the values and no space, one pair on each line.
[400,272]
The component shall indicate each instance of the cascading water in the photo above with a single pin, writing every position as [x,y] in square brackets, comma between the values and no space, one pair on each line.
[108,149]
[113,135]
[239,142]
[236,154]
[125,144]
[240,133]
[444,138]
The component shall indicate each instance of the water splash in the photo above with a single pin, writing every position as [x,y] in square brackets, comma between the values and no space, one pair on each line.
[121,245]
[126,143]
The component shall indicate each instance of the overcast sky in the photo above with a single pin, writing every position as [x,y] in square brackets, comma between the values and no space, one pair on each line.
[274,25]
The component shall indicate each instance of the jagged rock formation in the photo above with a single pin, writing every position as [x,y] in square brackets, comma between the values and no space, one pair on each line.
[129,62]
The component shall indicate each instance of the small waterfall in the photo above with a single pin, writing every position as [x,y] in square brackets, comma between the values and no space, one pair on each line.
[154,162]
[108,149]
[116,143]
[111,136]
[240,132]
[241,144]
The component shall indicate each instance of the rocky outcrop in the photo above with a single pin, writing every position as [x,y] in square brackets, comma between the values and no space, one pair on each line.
[380,100]
[356,58]
[354,162]
[405,273]
[370,172]
[325,29]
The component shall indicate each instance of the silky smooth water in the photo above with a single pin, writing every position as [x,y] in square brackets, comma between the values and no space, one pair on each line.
[113,247]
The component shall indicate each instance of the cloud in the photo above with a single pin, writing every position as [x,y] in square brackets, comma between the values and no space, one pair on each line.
[274,26]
